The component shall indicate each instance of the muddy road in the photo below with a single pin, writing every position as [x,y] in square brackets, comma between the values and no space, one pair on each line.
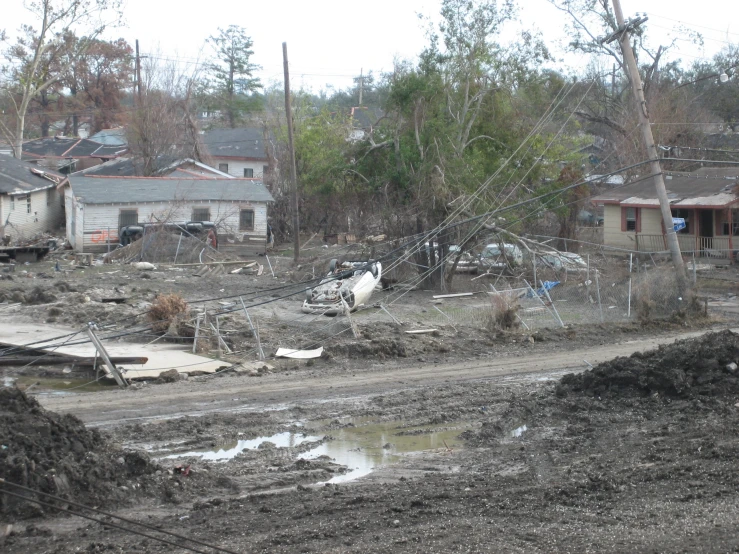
[637,455]
[307,384]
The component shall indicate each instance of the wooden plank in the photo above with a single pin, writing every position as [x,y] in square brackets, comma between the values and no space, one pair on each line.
[457,295]
[62,360]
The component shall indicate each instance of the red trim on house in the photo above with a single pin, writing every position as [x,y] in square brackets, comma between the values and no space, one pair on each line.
[623,220]
[68,149]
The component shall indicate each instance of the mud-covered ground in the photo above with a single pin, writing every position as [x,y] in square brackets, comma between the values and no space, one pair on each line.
[638,454]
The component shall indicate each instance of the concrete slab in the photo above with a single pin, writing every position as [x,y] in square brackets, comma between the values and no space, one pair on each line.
[161,357]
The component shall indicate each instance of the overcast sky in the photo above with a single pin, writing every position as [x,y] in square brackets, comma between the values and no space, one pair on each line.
[330,41]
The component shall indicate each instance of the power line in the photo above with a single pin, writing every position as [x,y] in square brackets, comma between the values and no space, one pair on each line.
[107,523]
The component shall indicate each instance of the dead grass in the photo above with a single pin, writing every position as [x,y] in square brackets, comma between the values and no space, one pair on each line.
[504,314]
[168,311]
[655,296]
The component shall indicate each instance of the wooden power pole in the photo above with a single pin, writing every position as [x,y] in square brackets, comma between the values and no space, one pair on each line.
[138,71]
[641,107]
[291,144]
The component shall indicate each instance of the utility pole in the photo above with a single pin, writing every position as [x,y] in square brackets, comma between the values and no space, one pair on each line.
[138,71]
[293,172]
[641,107]
[361,84]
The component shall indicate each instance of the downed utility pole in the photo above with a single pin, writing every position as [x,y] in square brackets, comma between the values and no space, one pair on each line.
[622,34]
[111,368]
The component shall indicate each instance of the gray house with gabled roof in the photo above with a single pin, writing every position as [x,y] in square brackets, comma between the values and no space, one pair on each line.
[241,152]
[98,206]
[29,201]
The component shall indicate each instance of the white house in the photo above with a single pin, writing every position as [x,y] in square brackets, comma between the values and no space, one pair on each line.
[29,201]
[240,152]
[97,207]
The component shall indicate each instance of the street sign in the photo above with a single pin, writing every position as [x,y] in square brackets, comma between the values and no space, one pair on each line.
[678,223]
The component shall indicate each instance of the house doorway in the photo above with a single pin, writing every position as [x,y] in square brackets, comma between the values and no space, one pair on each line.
[705,227]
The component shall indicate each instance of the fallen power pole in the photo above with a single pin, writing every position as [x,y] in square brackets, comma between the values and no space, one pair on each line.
[291,144]
[622,34]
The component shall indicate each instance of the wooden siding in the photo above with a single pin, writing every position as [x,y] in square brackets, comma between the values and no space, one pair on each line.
[236,167]
[20,224]
[100,221]
[651,224]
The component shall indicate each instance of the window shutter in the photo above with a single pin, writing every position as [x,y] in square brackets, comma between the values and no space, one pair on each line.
[718,223]
[637,212]
[623,219]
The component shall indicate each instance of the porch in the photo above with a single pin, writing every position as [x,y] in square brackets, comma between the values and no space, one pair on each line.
[701,246]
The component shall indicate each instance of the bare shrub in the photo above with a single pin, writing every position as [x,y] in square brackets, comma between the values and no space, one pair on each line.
[504,314]
[655,295]
[167,311]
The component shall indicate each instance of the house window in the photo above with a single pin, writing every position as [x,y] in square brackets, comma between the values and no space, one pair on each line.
[630,219]
[265,170]
[246,220]
[128,217]
[49,196]
[685,214]
[248,172]
[200,214]
[223,167]
[28,203]
[12,202]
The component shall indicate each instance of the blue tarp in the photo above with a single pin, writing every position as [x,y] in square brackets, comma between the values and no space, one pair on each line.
[548,285]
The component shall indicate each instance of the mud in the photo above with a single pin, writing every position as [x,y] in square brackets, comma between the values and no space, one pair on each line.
[636,455]
[695,367]
[58,455]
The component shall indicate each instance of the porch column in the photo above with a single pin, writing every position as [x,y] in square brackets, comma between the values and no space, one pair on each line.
[696,232]
[731,236]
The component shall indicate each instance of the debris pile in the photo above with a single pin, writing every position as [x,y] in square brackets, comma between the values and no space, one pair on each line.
[706,365]
[58,455]
[166,247]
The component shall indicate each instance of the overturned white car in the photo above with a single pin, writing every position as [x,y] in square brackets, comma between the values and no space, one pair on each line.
[347,286]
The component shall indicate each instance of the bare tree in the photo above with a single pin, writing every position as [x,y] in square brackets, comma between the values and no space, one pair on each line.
[162,127]
[24,77]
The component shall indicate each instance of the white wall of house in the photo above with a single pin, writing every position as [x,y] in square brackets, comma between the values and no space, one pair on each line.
[236,167]
[98,223]
[22,221]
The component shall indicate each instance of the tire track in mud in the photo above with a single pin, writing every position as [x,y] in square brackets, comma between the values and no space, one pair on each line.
[278,391]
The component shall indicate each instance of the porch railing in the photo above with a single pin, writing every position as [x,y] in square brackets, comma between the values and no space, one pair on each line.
[712,247]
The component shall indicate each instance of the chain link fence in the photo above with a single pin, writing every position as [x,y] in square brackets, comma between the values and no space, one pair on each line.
[649,294]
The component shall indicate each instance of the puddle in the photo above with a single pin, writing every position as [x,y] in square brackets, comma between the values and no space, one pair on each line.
[518,431]
[230,451]
[362,448]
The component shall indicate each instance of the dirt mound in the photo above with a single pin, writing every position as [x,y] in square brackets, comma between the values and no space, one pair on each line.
[164,247]
[699,366]
[38,295]
[58,455]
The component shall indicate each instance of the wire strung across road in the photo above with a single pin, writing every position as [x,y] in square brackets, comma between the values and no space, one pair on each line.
[107,523]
